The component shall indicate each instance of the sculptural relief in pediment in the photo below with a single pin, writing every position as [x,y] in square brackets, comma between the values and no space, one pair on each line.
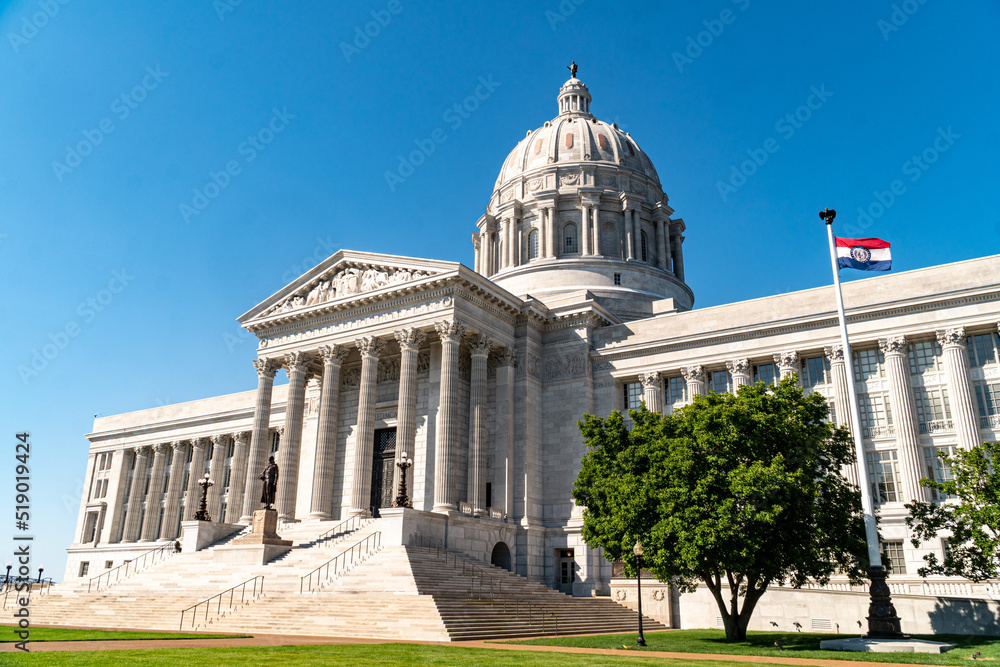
[346,282]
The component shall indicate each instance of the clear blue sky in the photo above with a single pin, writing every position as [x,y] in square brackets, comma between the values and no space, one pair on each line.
[199,79]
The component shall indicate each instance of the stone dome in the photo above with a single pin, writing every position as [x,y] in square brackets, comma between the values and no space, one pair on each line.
[578,211]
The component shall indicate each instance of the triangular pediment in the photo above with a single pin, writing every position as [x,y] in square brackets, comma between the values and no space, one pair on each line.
[344,277]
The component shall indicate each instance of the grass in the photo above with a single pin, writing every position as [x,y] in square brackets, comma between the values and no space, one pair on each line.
[353,654]
[796,645]
[73,635]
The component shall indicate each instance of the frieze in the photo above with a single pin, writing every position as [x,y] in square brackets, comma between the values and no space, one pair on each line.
[528,365]
[608,180]
[601,365]
[569,179]
[534,184]
[565,366]
[346,282]
[423,363]
[351,377]
[388,370]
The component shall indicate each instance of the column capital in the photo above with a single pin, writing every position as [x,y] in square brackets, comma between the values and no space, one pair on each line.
[954,337]
[480,344]
[693,373]
[650,379]
[370,346]
[893,345]
[450,330]
[198,443]
[410,339]
[266,368]
[789,359]
[835,353]
[178,444]
[143,450]
[161,447]
[332,354]
[505,356]
[219,439]
[738,366]
[297,362]
[241,437]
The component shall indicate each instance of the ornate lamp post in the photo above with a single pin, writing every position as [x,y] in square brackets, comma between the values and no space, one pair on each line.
[41,568]
[7,579]
[637,550]
[402,500]
[202,513]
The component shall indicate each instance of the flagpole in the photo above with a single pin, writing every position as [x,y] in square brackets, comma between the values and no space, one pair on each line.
[882,619]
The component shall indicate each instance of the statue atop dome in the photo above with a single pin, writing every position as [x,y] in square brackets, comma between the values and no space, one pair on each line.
[572,70]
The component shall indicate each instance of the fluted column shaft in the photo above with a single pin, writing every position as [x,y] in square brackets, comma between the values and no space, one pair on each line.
[321,504]
[739,370]
[678,257]
[151,525]
[956,365]
[661,246]
[595,219]
[447,426]
[198,454]
[288,454]
[175,487]
[585,234]
[260,437]
[480,346]
[652,391]
[364,436]
[406,415]
[237,476]
[135,496]
[216,471]
[694,376]
[842,400]
[629,233]
[904,415]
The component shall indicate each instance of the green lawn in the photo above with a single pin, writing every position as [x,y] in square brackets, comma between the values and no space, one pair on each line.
[796,645]
[70,635]
[373,654]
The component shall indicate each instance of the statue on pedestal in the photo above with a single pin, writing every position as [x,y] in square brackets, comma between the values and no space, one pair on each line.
[270,479]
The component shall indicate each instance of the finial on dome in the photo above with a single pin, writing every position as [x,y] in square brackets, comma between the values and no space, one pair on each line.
[572,70]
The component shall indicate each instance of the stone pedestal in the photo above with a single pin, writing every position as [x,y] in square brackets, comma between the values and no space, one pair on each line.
[262,545]
[196,535]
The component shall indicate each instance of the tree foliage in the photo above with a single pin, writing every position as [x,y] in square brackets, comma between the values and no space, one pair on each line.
[971,515]
[739,491]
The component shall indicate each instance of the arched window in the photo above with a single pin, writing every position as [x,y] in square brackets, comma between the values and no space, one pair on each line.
[642,236]
[570,244]
[533,244]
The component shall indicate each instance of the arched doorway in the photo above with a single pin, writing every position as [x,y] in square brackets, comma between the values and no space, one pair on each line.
[501,556]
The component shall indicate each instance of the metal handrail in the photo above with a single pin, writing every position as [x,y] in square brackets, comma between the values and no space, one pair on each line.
[232,594]
[351,523]
[496,593]
[338,562]
[136,564]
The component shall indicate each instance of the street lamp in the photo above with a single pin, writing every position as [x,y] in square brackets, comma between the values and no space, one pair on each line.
[401,498]
[637,550]
[7,579]
[202,513]
[41,568]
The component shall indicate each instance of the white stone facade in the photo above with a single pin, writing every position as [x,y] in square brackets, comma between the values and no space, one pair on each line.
[481,376]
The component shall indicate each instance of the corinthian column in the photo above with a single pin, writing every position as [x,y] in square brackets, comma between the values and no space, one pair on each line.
[237,476]
[585,234]
[842,401]
[135,496]
[151,524]
[288,454]
[739,370]
[175,487]
[904,415]
[260,438]
[505,359]
[956,365]
[326,440]
[480,347]
[216,470]
[695,378]
[787,363]
[652,391]
[450,332]
[364,435]
[198,446]
[410,341]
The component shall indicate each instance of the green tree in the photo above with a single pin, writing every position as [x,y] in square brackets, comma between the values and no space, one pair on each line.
[739,491]
[971,515]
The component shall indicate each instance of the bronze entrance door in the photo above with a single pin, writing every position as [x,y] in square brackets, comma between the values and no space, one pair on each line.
[383,467]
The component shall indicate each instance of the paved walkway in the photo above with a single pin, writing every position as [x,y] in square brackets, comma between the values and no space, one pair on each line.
[302,640]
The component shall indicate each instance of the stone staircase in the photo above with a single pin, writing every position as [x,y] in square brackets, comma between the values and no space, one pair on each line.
[395,592]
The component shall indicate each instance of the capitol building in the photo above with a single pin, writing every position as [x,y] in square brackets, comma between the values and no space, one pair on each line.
[574,302]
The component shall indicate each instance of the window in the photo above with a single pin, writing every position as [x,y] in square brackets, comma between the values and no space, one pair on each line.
[633,395]
[642,244]
[868,364]
[618,279]
[883,475]
[108,564]
[936,468]
[932,409]
[988,398]
[832,417]
[983,349]
[84,568]
[764,373]
[815,370]
[90,528]
[720,382]
[925,356]
[275,443]
[676,390]
[893,552]
[570,246]
[876,415]
[533,244]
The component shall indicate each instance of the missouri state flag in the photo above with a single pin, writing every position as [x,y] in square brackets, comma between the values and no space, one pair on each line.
[864,254]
